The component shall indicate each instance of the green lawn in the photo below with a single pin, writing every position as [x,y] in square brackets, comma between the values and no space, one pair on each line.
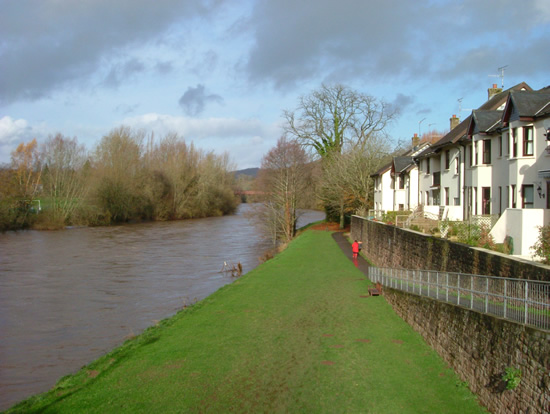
[293,335]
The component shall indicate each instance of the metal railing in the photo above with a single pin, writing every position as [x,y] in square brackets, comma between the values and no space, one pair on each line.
[523,301]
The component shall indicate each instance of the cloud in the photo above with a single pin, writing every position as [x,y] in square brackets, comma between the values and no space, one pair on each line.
[51,44]
[13,132]
[245,140]
[401,40]
[194,100]
[122,72]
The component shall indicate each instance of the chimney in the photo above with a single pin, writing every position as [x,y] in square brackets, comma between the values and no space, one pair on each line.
[415,140]
[494,91]
[454,122]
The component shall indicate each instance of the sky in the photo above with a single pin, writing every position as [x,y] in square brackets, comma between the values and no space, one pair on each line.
[220,72]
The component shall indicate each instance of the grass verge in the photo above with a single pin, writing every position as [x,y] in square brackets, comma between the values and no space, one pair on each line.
[297,334]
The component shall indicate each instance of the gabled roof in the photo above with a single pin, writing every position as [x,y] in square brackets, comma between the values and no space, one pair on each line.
[527,105]
[461,130]
[484,121]
[382,170]
[408,154]
[401,164]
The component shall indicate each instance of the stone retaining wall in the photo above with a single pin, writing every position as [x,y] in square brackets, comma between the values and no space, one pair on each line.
[480,347]
[389,246]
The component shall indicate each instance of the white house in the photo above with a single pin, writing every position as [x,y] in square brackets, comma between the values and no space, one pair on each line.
[495,163]
[396,183]
[523,181]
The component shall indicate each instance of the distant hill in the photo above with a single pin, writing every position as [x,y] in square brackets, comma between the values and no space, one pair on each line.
[250,172]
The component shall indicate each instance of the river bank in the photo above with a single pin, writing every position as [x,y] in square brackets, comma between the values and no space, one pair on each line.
[296,334]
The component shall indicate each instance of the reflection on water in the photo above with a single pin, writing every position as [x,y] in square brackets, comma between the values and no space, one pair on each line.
[68,297]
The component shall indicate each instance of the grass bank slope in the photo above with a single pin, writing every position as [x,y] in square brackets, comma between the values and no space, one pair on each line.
[293,335]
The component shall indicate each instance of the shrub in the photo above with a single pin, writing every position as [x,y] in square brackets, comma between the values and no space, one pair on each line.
[541,248]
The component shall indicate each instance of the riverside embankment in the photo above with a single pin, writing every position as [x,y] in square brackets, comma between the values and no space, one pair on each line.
[297,334]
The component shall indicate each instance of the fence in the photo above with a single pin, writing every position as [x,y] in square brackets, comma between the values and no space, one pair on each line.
[523,301]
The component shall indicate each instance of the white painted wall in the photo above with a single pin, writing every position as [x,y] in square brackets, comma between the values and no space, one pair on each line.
[521,225]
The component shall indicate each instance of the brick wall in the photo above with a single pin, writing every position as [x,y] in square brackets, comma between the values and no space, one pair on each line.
[480,347]
[389,246]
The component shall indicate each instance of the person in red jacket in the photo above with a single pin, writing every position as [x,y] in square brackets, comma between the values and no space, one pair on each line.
[355,249]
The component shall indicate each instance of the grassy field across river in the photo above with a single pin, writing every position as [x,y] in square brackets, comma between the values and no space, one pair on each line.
[297,334]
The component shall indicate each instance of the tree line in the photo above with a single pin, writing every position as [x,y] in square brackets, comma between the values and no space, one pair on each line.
[129,176]
[333,142]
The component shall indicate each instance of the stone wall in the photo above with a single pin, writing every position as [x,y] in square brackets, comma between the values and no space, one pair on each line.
[389,246]
[480,347]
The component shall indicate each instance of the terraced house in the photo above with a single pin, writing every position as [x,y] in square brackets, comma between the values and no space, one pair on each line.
[495,164]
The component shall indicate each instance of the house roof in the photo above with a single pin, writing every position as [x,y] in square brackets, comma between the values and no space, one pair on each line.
[460,131]
[528,105]
[484,121]
[401,164]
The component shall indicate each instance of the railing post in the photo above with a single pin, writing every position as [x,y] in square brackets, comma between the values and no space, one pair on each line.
[447,287]
[458,290]
[505,298]
[471,292]
[526,300]
[429,273]
[437,285]
[487,295]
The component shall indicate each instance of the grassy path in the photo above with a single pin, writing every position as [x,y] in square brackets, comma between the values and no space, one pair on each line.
[293,335]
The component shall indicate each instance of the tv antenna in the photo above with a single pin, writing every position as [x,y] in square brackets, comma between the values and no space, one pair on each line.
[501,76]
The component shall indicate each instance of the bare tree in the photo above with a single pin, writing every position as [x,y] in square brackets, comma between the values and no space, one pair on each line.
[346,183]
[64,175]
[335,117]
[25,162]
[335,120]
[284,176]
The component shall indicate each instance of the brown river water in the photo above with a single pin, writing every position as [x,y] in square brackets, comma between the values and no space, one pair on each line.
[68,297]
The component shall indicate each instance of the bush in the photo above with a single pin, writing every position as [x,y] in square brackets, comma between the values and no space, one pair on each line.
[541,248]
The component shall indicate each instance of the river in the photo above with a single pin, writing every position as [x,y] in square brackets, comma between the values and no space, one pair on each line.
[68,297]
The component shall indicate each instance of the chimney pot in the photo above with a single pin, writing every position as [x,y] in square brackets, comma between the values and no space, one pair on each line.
[415,140]
[454,122]
[493,91]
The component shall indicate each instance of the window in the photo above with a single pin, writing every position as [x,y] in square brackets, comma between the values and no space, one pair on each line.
[446,196]
[476,146]
[499,200]
[486,200]
[401,181]
[500,146]
[457,165]
[392,183]
[447,159]
[427,165]
[470,150]
[513,195]
[527,140]
[514,142]
[401,207]
[527,192]
[486,151]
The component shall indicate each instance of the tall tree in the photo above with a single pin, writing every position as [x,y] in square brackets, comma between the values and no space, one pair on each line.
[284,176]
[64,175]
[25,162]
[335,120]
[335,116]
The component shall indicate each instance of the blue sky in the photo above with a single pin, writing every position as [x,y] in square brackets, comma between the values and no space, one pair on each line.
[220,73]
